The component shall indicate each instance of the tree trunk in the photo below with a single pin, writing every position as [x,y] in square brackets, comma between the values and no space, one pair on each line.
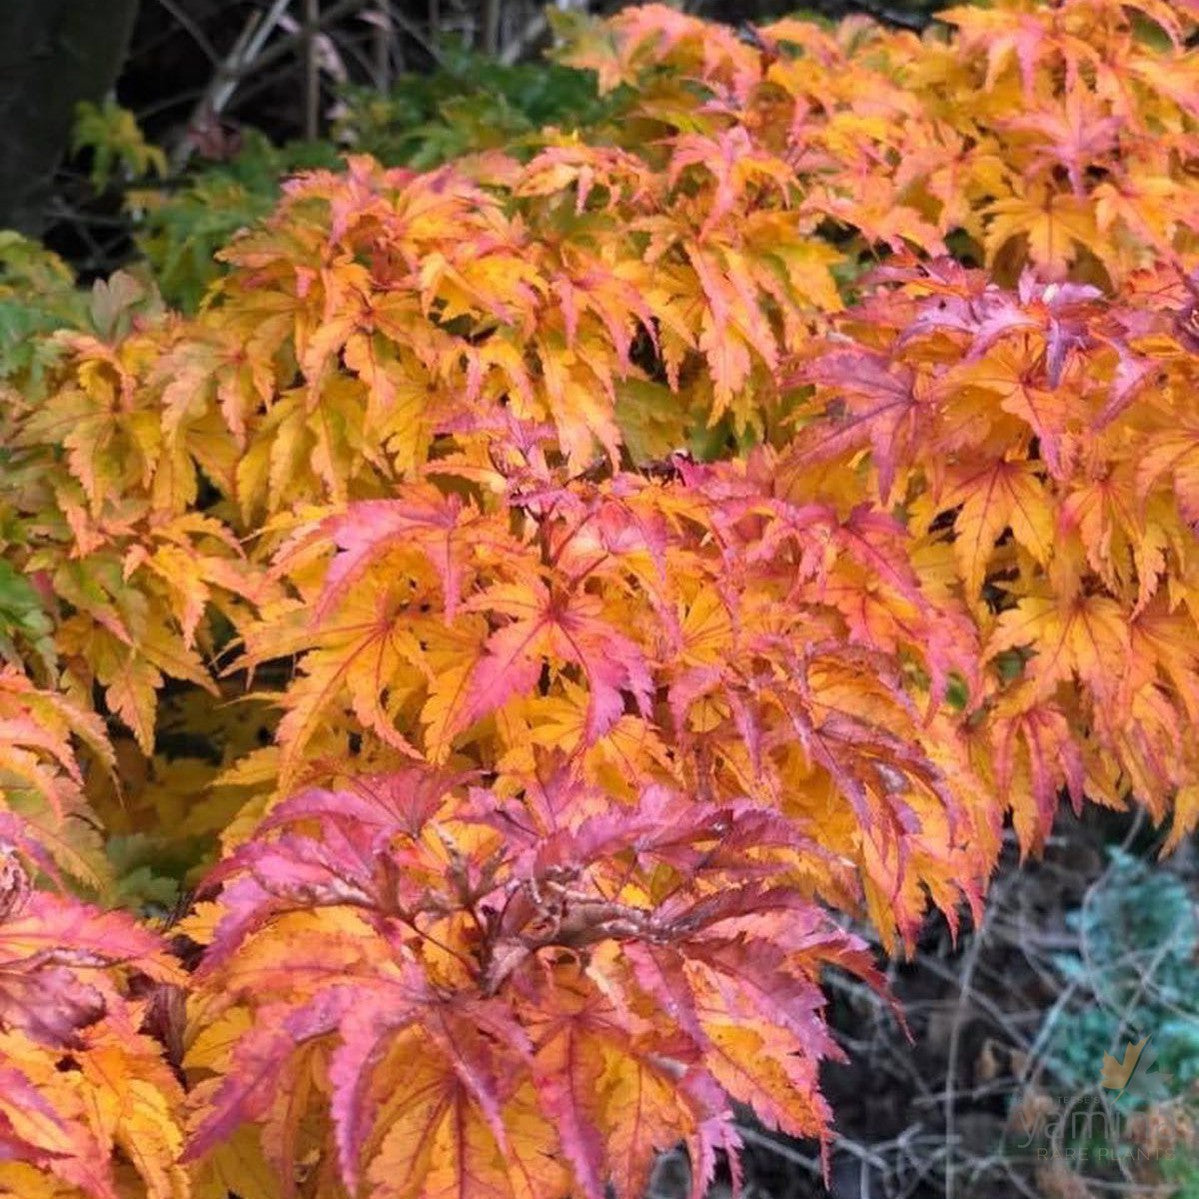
[53,54]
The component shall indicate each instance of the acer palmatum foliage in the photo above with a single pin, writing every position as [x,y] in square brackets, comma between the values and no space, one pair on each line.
[482,980]
[88,1105]
[680,718]
[642,578]
[1041,444]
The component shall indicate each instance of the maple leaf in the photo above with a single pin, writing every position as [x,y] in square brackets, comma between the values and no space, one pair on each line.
[1077,137]
[1084,638]
[567,628]
[874,405]
[1173,452]
[993,499]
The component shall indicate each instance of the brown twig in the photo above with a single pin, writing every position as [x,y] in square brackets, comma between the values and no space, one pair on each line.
[246,51]
[520,45]
[287,45]
[312,70]
[491,27]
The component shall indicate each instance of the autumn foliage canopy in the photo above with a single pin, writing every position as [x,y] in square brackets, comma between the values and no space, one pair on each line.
[555,590]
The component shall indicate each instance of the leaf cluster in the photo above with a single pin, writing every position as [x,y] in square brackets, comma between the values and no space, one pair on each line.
[562,584]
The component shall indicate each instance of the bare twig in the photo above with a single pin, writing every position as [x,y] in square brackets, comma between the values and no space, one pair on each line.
[524,41]
[224,82]
[251,54]
[312,70]
[882,13]
[286,45]
[412,30]
[185,21]
[965,1001]
[382,36]
[751,1136]
[491,27]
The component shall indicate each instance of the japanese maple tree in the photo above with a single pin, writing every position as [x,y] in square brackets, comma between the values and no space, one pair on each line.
[570,584]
